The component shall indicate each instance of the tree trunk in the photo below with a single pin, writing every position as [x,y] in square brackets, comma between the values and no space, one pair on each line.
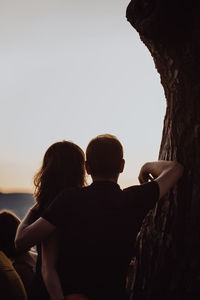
[168,245]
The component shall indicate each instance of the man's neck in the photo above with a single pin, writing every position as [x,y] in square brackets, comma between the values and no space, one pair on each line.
[111,179]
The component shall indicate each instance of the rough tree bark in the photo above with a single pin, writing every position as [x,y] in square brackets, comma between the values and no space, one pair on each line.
[168,245]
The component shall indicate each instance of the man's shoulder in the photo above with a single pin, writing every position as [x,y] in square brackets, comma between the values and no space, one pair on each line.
[138,190]
[67,201]
[72,193]
[131,188]
[74,190]
[69,190]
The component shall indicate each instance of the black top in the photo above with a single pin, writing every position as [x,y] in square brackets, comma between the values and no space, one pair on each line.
[98,226]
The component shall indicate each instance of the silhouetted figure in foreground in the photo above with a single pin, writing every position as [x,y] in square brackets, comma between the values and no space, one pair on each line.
[11,285]
[23,261]
[98,224]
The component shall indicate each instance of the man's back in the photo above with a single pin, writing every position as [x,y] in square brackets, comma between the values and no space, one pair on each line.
[98,226]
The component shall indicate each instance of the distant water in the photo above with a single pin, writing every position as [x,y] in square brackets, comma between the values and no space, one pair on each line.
[19,203]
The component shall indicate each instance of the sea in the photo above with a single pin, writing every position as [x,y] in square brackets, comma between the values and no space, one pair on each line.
[19,203]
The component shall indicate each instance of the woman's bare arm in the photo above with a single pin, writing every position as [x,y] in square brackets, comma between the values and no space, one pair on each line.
[50,248]
[29,235]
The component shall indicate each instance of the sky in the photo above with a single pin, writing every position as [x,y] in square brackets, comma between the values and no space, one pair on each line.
[72,70]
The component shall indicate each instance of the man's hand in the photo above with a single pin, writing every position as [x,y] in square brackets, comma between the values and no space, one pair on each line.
[145,175]
[166,173]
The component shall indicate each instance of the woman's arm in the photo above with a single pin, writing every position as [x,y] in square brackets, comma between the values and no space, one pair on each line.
[29,235]
[50,248]
[30,217]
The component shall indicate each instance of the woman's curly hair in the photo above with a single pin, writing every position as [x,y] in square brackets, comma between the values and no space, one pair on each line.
[63,166]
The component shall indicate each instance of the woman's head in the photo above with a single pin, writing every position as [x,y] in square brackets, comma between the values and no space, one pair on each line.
[8,227]
[63,166]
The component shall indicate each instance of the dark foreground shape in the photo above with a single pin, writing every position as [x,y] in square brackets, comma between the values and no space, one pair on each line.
[169,240]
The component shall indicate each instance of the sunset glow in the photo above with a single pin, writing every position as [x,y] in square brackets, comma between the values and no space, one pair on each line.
[72,70]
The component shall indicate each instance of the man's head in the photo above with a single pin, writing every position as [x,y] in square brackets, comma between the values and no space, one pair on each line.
[104,157]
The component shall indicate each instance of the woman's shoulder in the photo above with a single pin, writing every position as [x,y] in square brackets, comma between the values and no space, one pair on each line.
[35,211]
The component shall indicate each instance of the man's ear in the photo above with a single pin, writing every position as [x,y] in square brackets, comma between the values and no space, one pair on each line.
[88,169]
[122,166]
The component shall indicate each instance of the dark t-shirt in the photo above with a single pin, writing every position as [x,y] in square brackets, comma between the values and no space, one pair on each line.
[98,226]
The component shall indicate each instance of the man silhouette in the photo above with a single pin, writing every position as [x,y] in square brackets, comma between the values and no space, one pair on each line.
[98,224]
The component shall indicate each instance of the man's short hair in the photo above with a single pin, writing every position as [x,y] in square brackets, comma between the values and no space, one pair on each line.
[104,155]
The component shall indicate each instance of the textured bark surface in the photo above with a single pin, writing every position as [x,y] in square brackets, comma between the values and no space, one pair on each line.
[168,260]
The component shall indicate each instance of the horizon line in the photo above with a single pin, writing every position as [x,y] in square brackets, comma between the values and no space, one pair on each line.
[16,191]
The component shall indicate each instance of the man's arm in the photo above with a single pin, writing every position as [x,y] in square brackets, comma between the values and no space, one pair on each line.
[29,235]
[166,173]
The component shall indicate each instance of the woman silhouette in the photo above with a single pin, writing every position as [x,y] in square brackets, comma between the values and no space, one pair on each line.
[63,167]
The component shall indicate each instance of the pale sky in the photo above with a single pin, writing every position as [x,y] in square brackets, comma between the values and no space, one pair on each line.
[72,70]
